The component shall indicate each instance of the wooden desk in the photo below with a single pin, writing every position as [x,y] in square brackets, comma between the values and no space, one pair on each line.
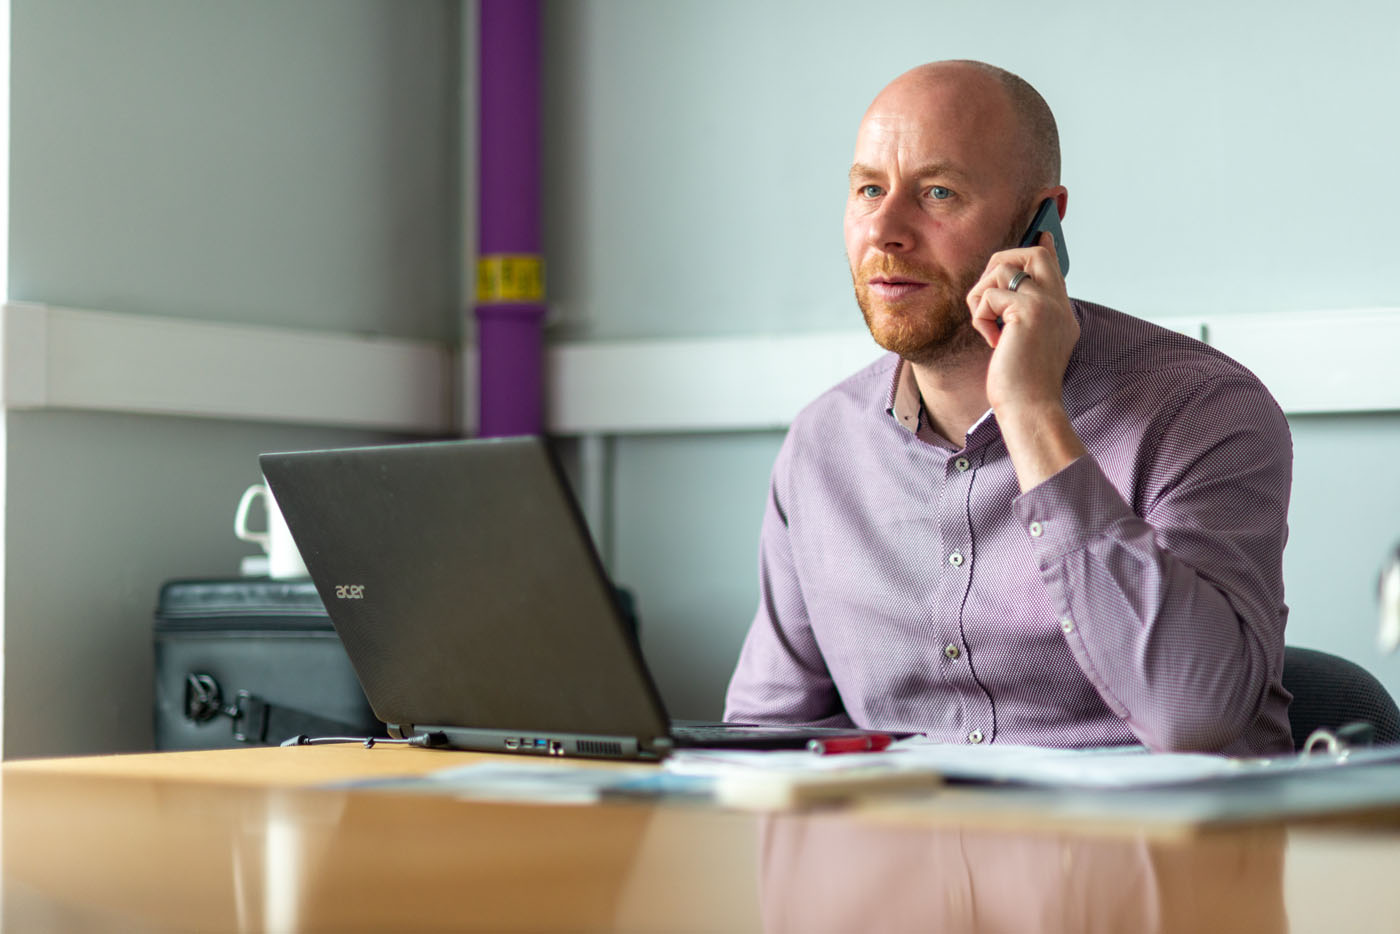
[238,841]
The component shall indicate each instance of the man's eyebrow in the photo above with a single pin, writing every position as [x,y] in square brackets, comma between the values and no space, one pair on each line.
[927,170]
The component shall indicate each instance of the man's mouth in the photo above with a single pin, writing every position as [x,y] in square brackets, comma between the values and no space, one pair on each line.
[893,288]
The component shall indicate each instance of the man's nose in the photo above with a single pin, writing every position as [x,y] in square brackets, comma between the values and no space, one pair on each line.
[891,226]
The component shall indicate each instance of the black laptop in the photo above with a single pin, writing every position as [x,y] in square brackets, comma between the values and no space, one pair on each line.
[467,592]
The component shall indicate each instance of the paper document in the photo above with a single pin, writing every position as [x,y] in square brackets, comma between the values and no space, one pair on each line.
[543,783]
[1109,767]
[751,778]
[560,783]
[1115,767]
[771,780]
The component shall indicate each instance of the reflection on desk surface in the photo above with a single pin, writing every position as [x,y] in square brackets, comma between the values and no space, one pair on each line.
[135,851]
[96,853]
[825,874]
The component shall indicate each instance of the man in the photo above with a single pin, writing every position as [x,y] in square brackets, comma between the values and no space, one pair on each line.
[1038,520]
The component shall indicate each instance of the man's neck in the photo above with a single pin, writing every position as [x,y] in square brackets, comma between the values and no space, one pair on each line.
[954,393]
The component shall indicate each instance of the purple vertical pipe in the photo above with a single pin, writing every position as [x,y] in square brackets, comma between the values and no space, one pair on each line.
[510,321]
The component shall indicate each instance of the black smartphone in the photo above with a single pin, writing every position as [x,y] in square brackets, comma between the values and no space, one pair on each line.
[1047,217]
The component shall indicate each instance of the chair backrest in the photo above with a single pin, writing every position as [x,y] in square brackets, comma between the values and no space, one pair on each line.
[1331,692]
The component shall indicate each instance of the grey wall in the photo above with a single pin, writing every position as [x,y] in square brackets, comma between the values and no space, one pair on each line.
[685,521]
[1345,518]
[267,162]
[263,162]
[1220,158]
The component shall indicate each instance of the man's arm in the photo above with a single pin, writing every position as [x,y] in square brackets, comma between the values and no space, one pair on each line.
[1175,616]
[781,676]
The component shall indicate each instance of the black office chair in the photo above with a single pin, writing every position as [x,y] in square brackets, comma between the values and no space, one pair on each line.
[1332,692]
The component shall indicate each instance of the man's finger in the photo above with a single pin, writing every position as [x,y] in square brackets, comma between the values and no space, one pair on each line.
[987,314]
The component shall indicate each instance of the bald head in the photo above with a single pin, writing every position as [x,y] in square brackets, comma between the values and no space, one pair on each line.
[950,163]
[997,102]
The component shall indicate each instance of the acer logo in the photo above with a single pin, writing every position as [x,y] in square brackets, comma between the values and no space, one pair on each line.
[350,591]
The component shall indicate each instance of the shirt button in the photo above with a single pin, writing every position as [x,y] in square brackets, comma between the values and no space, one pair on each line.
[1067,625]
[974,737]
[951,651]
[1036,530]
[962,463]
[956,559]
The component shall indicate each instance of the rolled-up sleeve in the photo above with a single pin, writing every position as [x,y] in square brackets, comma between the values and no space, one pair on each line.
[1173,605]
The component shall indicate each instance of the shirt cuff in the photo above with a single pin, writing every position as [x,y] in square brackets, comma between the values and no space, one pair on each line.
[1068,510]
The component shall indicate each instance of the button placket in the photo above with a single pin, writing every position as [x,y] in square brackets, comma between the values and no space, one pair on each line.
[955,536]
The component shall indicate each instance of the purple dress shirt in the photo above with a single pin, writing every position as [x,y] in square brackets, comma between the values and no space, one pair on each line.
[1134,597]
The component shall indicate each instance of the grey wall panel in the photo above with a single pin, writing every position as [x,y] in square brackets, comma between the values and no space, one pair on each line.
[685,540]
[259,161]
[1344,521]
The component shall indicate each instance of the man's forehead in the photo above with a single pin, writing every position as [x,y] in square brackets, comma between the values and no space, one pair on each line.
[909,144]
[928,123]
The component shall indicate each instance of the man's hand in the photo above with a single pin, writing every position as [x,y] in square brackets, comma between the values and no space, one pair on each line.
[1032,332]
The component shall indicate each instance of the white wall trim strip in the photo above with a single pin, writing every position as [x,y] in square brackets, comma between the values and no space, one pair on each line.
[63,358]
[1319,362]
[706,384]
[1325,362]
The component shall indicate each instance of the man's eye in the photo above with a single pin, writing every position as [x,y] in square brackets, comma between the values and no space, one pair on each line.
[871,191]
[939,193]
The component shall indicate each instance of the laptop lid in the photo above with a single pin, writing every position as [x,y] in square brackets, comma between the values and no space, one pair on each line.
[465,587]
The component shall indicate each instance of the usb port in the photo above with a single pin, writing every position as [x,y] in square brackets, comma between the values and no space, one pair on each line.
[512,743]
[539,744]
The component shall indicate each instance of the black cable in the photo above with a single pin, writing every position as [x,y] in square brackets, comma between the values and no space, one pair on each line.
[423,740]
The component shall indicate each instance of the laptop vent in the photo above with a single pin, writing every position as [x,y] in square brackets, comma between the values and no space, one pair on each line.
[591,747]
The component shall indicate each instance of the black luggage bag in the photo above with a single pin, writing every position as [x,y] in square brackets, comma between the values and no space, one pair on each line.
[251,661]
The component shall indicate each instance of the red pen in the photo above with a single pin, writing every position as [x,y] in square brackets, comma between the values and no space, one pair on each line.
[830,747]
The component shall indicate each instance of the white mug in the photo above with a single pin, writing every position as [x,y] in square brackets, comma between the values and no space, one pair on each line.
[283,558]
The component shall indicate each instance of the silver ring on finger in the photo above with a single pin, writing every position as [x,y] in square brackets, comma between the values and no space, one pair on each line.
[1016,280]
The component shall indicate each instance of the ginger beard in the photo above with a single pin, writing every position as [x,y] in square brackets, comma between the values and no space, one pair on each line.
[932,324]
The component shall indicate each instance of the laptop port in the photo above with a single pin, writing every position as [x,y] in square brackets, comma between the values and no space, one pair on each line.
[512,743]
[556,748]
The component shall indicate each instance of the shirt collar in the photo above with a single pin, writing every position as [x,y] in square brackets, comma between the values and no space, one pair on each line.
[905,404]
